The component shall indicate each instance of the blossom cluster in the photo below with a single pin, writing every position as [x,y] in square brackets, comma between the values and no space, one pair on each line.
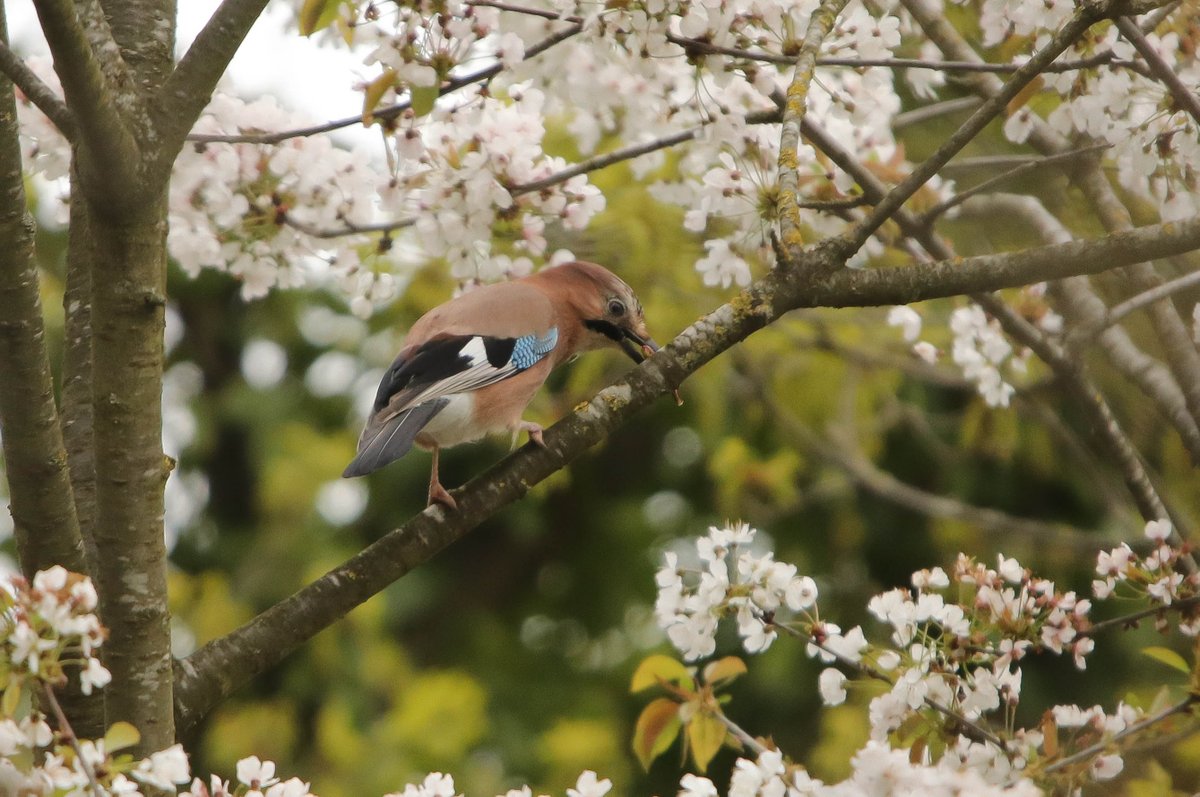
[1155,143]
[877,769]
[957,641]
[1160,576]
[731,581]
[49,624]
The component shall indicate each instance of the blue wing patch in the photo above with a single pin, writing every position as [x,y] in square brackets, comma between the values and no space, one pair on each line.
[529,349]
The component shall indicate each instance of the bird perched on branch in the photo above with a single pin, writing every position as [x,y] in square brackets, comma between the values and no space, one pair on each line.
[469,367]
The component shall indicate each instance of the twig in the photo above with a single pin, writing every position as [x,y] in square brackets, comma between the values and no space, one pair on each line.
[1137,727]
[1162,71]
[931,215]
[1083,19]
[1135,303]
[387,113]
[1113,438]
[741,734]
[583,167]
[819,25]
[1128,619]
[64,729]
[972,729]
[934,111]
[41,95]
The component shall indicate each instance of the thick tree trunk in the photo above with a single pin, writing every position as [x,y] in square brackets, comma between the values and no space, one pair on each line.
[128,300]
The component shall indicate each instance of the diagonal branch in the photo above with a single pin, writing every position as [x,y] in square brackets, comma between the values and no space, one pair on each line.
[388,113]
[190,87]
[1110,436]
[223,665]
[1084,17]
[41,95]
[1184,97]
[795,105]
[101,131]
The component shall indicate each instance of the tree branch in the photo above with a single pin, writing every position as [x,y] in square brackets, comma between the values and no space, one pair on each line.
[1117,312]
[47,531]
[190,86]
[596,163]
[931,215]
[384,114]
[1181,707]
[1084,311]
[41,95]
[795,104]
[101,131]
[217,669]
[1164,72]
[1110,435]
[1083,18]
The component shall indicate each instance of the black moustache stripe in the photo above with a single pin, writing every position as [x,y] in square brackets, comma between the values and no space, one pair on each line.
[605,328]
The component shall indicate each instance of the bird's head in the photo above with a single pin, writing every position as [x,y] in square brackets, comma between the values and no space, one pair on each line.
[608,309]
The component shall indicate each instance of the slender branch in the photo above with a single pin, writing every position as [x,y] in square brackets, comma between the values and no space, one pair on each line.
[1085,310]
[741,734]
[1178,347]
[1134,303]
[387,113]
[1181,707]
[190,86]
[795,105]
[65,730]
[934,111]
[583,167]
[931,215]
[1109,433]
[1083,19]
[100,128]
[708,48]
[41,95]
[1127,620]
[1184,97]
[971,728]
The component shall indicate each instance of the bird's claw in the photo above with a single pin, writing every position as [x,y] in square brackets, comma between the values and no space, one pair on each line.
[440,495]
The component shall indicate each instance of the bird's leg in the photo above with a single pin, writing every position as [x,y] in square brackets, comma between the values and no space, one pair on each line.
[438,493]
[535,432]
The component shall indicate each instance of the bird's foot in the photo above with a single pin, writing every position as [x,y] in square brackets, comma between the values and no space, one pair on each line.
[440,495]
[535,432]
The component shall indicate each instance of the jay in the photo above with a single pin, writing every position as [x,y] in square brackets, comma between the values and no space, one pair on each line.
[470,367]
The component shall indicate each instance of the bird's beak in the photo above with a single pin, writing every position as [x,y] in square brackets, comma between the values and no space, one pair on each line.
[637,347]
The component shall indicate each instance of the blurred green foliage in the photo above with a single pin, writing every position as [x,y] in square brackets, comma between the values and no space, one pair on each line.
[507,659]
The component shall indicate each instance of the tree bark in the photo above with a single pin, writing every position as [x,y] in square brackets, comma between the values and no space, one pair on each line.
[128,302]
[47,531]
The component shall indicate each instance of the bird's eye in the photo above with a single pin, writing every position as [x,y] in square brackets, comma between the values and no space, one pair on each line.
[616,307]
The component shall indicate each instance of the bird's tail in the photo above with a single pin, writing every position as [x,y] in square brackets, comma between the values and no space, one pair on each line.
[386,441]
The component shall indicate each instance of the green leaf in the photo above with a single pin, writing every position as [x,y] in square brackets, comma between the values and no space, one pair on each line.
[656,730]
[120,736]
[423,98]
[724,671]
[316,15]
[374,92]
[658,668]
[705,734]
[12,697]
[1168,657]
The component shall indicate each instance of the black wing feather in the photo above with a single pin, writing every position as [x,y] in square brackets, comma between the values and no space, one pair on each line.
[387,440]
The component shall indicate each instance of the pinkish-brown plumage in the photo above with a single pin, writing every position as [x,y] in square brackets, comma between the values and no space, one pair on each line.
[471,366]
